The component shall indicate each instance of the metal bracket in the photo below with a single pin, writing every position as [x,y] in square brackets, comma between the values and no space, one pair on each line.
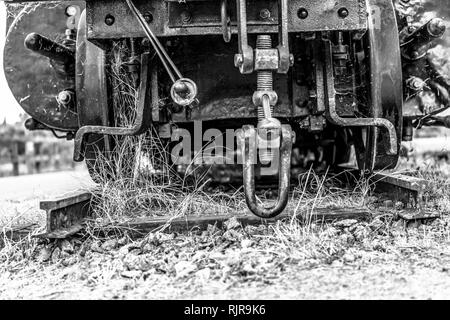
[142,122]
[249,150]
[244,60]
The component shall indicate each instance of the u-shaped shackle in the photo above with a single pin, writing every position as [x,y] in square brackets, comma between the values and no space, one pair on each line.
[249,152]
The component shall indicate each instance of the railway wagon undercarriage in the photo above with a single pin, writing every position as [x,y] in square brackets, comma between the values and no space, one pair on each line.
[318,77]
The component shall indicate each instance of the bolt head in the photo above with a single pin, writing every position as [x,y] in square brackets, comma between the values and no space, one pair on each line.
[109,20]
[148,17]
[64,97]
[343,12]
[302,13]
[264,14]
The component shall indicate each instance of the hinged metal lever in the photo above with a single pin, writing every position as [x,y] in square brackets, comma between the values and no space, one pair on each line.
[184,90]
[249,152]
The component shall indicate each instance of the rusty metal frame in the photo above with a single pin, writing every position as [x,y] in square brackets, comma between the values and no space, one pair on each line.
[168,22]
[249,150]
[143,115]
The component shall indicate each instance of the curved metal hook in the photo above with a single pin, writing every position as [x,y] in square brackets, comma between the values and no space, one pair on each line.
[141,124]
[248,145]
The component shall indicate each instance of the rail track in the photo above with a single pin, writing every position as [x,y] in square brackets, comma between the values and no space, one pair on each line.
[67,215]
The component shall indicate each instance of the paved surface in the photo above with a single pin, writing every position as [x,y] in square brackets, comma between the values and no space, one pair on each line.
[44,185]
[430,145]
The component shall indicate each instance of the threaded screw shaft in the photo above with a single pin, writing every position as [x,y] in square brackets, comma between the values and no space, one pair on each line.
[264,83]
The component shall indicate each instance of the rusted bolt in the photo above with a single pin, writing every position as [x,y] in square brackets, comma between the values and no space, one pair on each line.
[302,13]
[109,19]
[343,12]
[264,14]
[185,16]
[148,17]
[64,97]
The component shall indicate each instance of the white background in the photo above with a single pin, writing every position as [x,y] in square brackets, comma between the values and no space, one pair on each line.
[9,108]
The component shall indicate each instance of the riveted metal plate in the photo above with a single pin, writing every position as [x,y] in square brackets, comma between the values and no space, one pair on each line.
[173,18]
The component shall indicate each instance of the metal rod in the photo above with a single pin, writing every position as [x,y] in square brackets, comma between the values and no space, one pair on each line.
[155,42]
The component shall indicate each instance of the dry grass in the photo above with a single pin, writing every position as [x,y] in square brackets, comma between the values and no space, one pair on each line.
[217,260]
